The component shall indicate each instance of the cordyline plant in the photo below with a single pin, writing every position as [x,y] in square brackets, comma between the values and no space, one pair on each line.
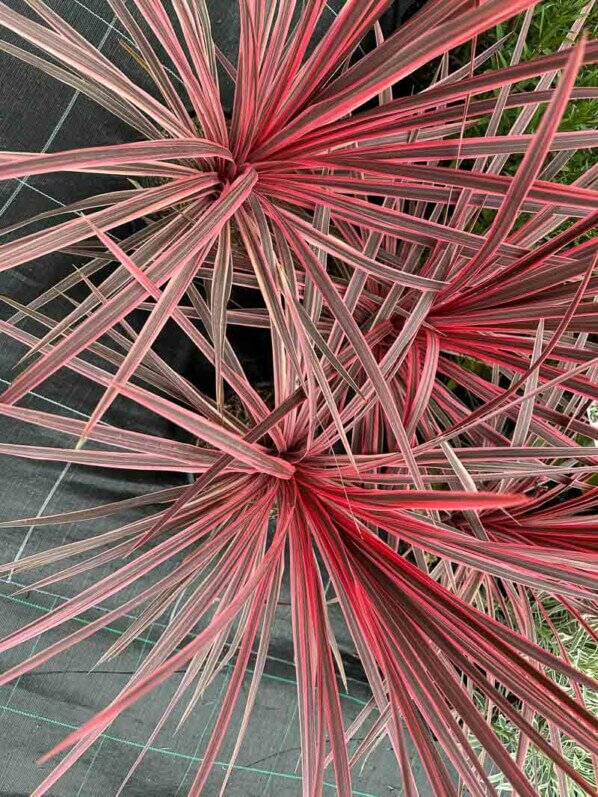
[423,459]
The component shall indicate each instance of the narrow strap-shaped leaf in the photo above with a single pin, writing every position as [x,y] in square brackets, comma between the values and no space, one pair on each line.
[355,336]
[111,155]
[219,297]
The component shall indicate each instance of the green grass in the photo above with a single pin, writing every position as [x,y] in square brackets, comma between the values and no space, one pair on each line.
[550,25]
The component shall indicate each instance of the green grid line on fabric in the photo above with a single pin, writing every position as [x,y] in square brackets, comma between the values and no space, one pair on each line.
[172,753]
[147,641]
